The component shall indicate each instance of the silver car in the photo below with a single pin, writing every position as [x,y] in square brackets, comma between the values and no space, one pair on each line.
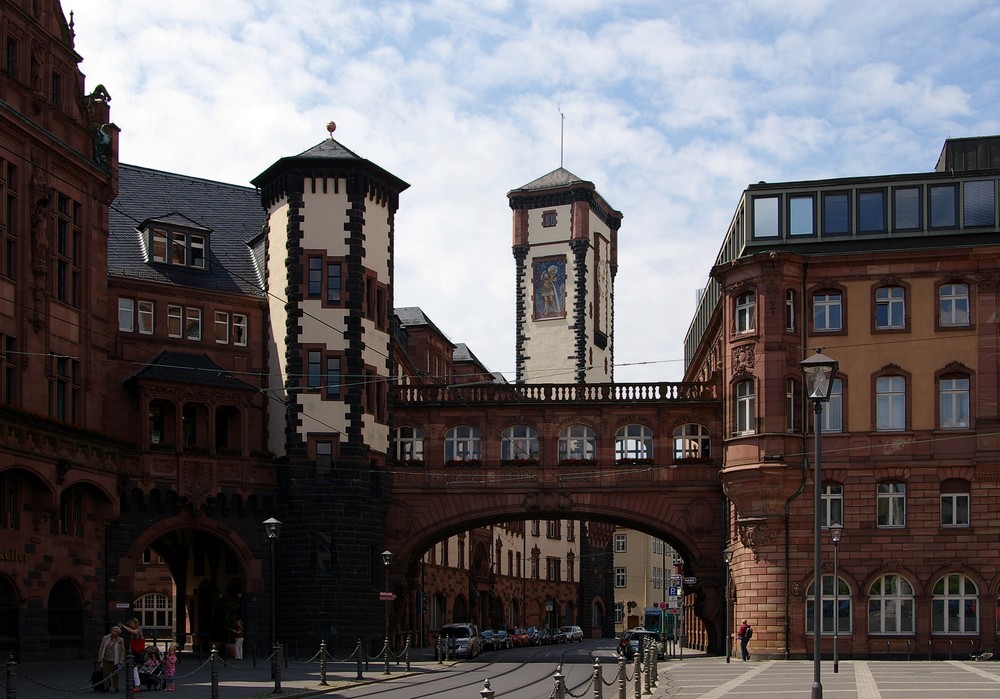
[573,633]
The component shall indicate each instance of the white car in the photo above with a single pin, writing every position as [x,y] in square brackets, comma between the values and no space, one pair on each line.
[573,633]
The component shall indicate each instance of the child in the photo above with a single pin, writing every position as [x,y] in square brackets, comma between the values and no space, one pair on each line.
[171,666]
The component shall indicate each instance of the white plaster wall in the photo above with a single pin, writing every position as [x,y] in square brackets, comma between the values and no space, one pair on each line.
[276,283]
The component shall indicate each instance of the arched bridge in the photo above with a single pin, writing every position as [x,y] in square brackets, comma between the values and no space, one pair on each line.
[658,480]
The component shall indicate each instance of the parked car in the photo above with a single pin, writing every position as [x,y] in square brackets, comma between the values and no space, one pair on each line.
[521,638]
[502,640]
[632,638]
[463,640]
[489,640]
[572,633]
[558,636]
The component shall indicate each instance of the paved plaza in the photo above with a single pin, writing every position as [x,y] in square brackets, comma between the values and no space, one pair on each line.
[695,677]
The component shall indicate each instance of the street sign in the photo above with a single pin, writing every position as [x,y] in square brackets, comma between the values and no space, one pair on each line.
[672,591]
[675,580]
[387,596]
[663,605]
[673,611]
[690,581]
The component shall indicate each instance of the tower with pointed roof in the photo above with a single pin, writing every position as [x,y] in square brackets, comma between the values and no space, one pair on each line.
[329,228]
[566,250]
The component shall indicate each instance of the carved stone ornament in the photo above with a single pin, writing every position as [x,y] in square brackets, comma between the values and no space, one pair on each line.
[547,500]
[890,280]
[744,359]
[755,533]
[988,280]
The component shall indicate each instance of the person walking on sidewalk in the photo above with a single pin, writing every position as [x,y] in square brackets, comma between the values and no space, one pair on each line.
[110,656]
[745,633]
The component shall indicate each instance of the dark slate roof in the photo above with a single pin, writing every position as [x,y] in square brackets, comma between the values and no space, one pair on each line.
[328,155]
[182,367]
[232,213]
[411,315]
[560,177]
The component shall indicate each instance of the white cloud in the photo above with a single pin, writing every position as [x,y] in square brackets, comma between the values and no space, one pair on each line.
[671,110]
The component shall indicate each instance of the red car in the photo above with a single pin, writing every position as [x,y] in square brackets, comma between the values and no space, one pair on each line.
[521,637]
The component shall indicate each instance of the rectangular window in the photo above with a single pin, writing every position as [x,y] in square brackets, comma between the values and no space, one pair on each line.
[891,505]
[790,310]
[890,403]
[792,408]
[871,211]
[239,329]
[979,203]
[56,89]
[619,613]
[315,279]
[953,306]
[621,543]
[10,501]
[65,389]
[827,312]
[906,208]
[67,280]
[222,327]
[801,219]
[178,249]
[548,219]
[745,312]
[836,214]
[333,377]
[333,282]
[534,567]
[954,404]
[12,58]
[314,368]
[890,308]
[955,510]
[552,529]
[832,417]
[621,579]
[175,321]
[553,568]
[535,527]
[159,245]
[198,251]
[193,324]
[146,317]
[71,513]
[324,458]
[832,509]
[765,217]
[943,203]
[8,236]
[8,369]
[570,530]
[745,407]
[126,315]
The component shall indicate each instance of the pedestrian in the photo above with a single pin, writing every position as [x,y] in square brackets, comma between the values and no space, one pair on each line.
[136,644]
[110,655]
[238,640]
[745,634]
[171,666]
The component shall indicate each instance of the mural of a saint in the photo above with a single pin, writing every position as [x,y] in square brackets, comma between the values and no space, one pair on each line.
[550,288]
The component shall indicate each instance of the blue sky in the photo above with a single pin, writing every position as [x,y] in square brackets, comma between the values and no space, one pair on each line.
[671,108]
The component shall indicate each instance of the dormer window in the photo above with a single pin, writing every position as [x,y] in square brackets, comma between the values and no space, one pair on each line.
[183,245]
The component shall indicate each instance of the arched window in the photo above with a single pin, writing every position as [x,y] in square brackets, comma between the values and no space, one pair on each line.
[692,441]
[577,442]
[954,605]
[519,442]
[844,614]
[597,615]
[408,443]
[633,442]
[462,443]
[155,611]
[890,605]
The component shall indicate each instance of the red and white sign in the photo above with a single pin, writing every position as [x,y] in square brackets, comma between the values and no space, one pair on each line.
[387,596]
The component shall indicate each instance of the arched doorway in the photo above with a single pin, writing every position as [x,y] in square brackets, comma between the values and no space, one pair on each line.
[65,610]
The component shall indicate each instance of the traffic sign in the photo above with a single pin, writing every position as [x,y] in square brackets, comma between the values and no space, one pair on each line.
[663,605]
[673,611]
[690,581]
[675,580]
[387,596]
[672,591]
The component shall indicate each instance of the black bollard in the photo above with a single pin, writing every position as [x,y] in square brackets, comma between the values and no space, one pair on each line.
[11,673]
[129,677]
[358,653]
[277,668]
[322,664]
[213,658]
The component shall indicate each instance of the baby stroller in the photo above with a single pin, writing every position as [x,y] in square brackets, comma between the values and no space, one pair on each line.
[151,670]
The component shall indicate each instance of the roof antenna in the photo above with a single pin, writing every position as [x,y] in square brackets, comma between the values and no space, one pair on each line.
[331,127]
[562,128]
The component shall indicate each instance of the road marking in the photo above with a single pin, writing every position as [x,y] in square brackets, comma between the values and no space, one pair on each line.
[864,682]
[732,684]
[971,667]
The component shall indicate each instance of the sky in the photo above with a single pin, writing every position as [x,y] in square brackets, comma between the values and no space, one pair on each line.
[670,107]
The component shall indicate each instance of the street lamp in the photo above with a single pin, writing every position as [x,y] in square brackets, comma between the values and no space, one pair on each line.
[272,528]
[386,559]
[836,530]
[818,371]
[727,556]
